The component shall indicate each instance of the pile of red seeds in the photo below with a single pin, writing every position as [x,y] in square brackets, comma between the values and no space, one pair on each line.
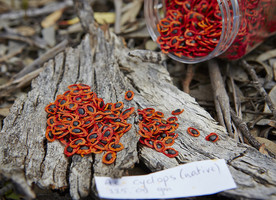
[86,124]
[191,28]
[158,133]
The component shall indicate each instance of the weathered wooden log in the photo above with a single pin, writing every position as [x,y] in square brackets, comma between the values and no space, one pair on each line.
[102,61]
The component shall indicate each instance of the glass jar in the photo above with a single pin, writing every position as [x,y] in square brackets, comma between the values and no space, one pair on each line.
[244,25]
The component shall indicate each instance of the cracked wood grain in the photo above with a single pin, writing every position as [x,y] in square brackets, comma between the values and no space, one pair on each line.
[111,69]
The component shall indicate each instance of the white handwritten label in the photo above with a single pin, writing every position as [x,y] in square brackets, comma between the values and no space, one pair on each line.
[192,179]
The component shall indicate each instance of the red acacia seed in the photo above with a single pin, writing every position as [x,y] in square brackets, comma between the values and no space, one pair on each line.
[129,95]
[193,132]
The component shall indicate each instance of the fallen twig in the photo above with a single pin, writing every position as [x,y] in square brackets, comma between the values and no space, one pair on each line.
[221,98]
[36,12]
[246,133]
[118,9]
[45,57]
[17,37]
[18,83]
[12,54]
[86,16]
[188,78]
[259,87]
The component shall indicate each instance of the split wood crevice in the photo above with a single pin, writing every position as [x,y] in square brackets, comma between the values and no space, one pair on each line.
[110,69]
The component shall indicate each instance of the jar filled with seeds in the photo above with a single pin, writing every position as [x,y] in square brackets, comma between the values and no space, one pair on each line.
[192,31]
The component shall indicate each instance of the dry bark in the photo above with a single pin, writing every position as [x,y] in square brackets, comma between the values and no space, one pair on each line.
[102,62]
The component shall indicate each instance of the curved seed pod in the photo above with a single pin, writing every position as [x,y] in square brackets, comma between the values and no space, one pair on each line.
[75,123]
[115,138]
[90,109]
[77,142]
[149,110]
[193,131]
[68,117]
[107,134]
[170,152]
[114,146]
[164,127]
[177,112]
[156,121]
[78,132]
[69,151]
[165,22]
[101,146]
[100,104]
[143,134]
[142,140]
[173,127]
[84,150]
[77,99]
[65,140]
[76,92]
[61,134]
[94,136]
[81,111]
[111,116]
[63,101]
[149,143]
[96,151]
[212,137]
[73,87]
[159,114]
[173,135]
[129,95]
[109,157]
[83,86]
[119,129]
[49,135]
[60,126]
[108,106]
[52,121]
[158,145]
[98,117]
[51,108]
[128,127]
[172,119]
[117,106]
[168,141]
[71,106]
[126,113]
[106,112]
[145,130]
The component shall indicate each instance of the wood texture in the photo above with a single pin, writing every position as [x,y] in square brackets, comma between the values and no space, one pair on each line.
[111,69]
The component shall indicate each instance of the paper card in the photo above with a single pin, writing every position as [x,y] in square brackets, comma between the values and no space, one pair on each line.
[192,179]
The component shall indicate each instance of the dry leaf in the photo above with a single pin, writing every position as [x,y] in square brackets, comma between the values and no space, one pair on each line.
[100,17]
[104,17]
[262,150]
[52,18]
[25,30]
[273,64]
[238,73]
[151,45]
[131,12]
[272,95]
[272,123]
[266,55]
[269,145]
[4,112]
[265,122]
[36,3]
